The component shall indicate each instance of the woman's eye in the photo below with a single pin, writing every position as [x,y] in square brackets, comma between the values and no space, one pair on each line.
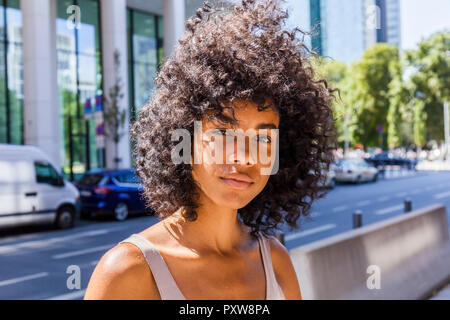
[263,138]
[222,132]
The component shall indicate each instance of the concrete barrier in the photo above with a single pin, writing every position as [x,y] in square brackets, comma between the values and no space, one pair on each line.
[407,257]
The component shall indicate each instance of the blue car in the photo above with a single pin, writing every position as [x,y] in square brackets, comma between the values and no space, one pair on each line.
[116,193]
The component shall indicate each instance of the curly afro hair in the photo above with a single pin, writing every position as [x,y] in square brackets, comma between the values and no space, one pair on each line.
[241,52]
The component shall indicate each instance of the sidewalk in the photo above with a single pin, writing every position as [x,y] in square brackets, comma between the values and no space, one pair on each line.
[433,165]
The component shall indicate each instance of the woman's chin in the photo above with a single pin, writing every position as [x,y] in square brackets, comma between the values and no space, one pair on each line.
[233,200]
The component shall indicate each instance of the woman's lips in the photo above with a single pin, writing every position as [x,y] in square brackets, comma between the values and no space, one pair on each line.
[236,184]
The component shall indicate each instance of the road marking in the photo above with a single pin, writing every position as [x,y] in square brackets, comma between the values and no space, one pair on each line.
[81,252]
[401,194]
[389,210]
[25,278]
[363,203]
[305,233]
[416,191]
[315,214]
[74,233]
[45,243]
[383,199]
[442,195]
[339,209]
[69,296]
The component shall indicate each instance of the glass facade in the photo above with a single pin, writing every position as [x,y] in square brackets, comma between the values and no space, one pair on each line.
[344,29]
[11,73]
[382,31]
[79,74]
[145,52]
[316,26]
[393,17]
[79,84]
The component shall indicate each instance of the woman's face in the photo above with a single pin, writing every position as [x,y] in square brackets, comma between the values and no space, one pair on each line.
[236,160]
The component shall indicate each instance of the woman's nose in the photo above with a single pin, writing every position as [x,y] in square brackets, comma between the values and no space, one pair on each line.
[243,153]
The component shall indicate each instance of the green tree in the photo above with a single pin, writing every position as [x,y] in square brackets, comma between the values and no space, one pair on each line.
[430,85]
[399,118]
[368,94]
[335,72]
[114,116]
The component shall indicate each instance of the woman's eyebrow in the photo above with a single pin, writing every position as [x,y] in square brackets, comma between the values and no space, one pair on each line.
[258,127]
[266,126]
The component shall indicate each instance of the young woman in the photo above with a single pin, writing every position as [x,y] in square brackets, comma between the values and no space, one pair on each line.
[234,71]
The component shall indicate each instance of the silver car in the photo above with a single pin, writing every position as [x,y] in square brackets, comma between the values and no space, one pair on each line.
[355,170]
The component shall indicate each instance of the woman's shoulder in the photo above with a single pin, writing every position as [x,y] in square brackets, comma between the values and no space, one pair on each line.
[284,268]
[119,275]
[278,252]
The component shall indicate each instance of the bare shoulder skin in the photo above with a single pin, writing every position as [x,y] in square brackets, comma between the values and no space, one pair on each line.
[284,270]
[122,274]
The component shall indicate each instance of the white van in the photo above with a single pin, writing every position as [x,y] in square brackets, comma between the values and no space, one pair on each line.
[32,191]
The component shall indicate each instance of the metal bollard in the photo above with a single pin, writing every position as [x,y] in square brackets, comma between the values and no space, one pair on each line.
[357,219]
[408,205]
[280,237]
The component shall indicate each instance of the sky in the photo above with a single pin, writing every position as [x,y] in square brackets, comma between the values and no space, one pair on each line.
[421,18]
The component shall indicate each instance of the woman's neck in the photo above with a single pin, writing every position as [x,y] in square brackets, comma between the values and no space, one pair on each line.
[217,230]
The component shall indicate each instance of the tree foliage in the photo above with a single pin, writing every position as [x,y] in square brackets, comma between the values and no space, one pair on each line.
[115,116]
[368,94]
[335,73]
[402,92]
[429,83]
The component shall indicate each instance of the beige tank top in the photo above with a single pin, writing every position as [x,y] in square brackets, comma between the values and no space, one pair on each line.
[166,284]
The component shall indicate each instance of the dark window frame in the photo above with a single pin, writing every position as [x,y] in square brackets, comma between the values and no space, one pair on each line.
[131,58]
[54,178]
[6,43]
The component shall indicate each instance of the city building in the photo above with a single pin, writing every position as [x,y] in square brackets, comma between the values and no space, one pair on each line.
[342,30]
[389,30]
[58,63]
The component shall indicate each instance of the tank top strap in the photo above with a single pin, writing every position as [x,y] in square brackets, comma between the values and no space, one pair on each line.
[274,291]
[165,282]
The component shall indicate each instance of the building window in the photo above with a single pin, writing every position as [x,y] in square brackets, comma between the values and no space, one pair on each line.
[11,73]
[45,173]
[316,26]
[145,46]
[79,84]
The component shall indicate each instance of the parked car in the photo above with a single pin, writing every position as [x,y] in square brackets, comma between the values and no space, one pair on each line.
[32,191]
[116,193]
[331,178]
[387,158]
[330,181]
[355,170]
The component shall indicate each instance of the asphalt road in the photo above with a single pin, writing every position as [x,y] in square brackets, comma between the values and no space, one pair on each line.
[34,261]
[377,201]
